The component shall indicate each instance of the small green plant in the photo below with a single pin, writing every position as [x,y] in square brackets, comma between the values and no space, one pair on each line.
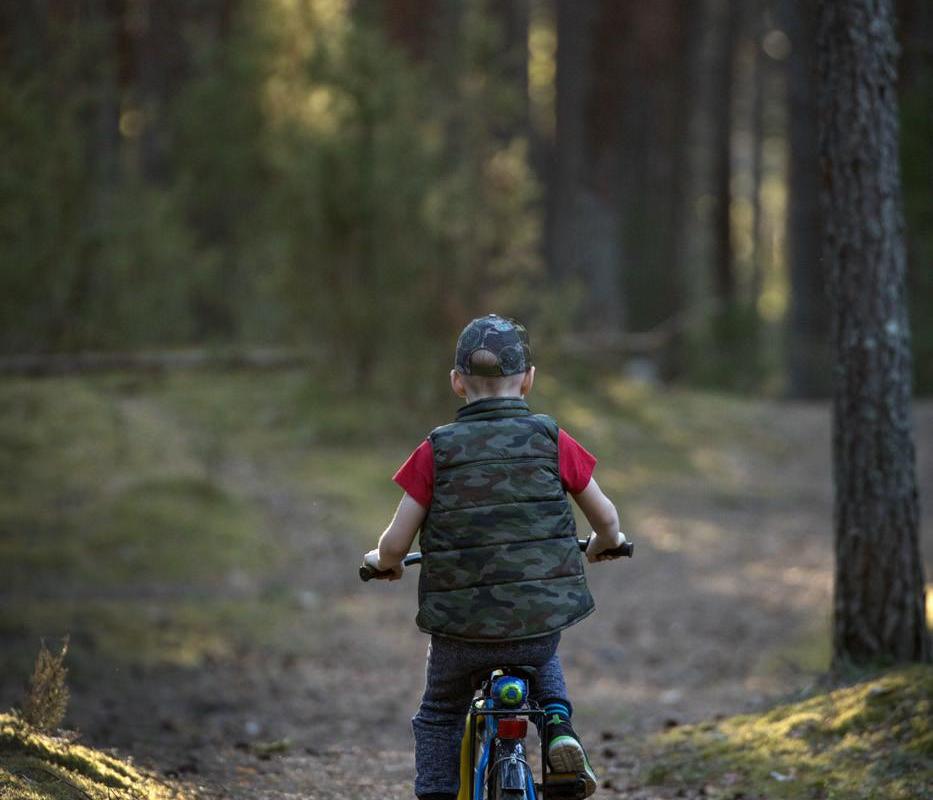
[47,695]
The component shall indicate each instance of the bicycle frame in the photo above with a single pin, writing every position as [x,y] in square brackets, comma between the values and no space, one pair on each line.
[473,770]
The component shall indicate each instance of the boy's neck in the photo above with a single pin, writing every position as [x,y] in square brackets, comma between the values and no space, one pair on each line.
[494,407]
[505,396]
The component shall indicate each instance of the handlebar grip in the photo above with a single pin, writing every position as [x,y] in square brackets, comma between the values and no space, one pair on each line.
[626,549]
[367,573]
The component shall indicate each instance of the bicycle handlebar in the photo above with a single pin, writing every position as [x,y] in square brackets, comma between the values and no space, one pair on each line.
[624,550]
[367,573]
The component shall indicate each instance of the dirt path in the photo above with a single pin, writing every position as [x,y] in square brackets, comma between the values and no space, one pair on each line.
[718,613]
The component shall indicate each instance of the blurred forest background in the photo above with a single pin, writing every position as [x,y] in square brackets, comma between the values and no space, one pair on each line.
[637,181]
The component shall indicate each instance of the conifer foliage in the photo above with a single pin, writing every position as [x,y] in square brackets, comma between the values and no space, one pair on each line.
[46,698]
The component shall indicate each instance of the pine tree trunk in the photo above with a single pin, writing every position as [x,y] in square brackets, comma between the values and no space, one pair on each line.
[723,267]
[879,609]
[411,24]
[584,228]
[571,85]
[512,20]
[755,24]
[683,99]
[652,152]
[808,325]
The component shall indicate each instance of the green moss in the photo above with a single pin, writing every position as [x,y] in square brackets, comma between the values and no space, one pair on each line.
[874,739]
[34,766]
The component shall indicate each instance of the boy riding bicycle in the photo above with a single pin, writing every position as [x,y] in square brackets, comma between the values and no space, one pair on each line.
[501,571]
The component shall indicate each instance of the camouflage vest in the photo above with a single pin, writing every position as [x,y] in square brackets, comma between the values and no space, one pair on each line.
[500,556]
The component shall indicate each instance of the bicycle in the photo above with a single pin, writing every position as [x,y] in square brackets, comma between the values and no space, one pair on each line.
[497,724]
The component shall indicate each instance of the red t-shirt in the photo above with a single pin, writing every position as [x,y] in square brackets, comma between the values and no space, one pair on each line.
[416,475]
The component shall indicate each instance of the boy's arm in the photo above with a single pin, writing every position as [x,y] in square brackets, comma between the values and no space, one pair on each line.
[397,538]
[603,517]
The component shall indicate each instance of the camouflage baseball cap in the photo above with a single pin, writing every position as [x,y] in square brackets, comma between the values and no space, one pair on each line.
[493,346]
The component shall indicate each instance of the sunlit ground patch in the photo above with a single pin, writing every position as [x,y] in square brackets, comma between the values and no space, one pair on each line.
[37,766]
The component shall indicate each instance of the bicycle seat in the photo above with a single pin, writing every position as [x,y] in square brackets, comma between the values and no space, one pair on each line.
[529,673]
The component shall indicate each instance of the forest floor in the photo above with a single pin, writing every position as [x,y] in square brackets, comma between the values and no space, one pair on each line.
[198,537]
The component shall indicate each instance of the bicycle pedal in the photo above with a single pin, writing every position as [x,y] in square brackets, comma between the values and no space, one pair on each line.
[565,785]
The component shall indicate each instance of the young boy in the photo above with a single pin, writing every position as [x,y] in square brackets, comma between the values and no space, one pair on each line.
[501,573]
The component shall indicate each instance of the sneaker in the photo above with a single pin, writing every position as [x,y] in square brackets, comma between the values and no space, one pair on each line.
[566,754]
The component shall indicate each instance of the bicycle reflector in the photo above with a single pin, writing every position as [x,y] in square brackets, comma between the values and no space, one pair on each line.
[512,727]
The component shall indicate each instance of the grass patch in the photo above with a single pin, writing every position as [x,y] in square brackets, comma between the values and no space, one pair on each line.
[184,633]
[177,529]
[165,530]
[103,488]
[289,411]
[356,483]
[870,740]
[34,766]
[808,654]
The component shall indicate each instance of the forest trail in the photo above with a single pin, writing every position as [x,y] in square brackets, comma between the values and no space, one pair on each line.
[723,609]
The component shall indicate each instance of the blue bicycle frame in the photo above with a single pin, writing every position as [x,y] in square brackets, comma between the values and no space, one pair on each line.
[510,768]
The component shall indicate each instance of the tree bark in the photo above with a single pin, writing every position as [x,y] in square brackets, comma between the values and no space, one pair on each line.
[512,20]
[658,47]
[584,224]
[755,25]
[411,24]
[571,81]
[685,91]
[723,267]
[879,606]
[808,326]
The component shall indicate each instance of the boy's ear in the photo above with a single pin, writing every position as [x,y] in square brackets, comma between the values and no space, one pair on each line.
[456,383]
[528,381]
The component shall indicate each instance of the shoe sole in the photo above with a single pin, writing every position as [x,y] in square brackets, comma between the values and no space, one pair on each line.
[565,754]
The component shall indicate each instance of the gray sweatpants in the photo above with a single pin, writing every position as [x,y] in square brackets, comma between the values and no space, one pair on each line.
[438,725]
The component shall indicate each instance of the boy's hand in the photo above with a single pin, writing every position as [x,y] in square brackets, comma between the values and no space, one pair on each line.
[371,559]
[597,544]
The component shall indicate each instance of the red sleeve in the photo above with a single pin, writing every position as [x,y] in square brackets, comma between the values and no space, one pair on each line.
[416,475]
[576,463]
